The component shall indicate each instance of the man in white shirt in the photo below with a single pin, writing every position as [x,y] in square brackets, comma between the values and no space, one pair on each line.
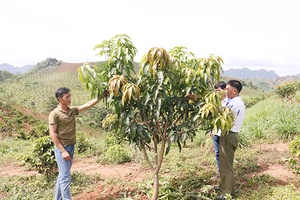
[229,141]
[220,88]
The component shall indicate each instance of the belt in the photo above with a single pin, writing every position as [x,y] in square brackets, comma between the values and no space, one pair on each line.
[233,132]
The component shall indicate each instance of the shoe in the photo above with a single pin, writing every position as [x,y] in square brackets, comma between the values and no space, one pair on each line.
[220,197]
[216,188]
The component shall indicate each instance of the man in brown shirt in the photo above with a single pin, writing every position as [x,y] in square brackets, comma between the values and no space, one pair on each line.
[62,128]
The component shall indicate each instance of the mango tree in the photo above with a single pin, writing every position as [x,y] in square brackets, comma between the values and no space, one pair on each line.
[167,101]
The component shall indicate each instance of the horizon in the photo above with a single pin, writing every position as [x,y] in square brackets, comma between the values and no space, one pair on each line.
[228,68]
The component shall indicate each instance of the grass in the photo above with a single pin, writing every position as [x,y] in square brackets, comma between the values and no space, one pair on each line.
[33,91]
[184,175]
[12,150]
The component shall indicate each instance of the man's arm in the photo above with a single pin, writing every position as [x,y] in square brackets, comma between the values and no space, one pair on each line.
[53,136]
[92,102]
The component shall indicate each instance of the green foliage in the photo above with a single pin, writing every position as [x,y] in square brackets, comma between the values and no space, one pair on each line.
[252,101]
[120,53]
[271,119]
[167,102]
[27,187]
[288,90]
[15,123]
[44,64]
[94,116]
[42,157]
[114,151]
[83,183]
[82,142]
[51,103]
[115,154]
[297,96]
[39,130]
[40,88]
[162,84]
[295,150]
[6,76]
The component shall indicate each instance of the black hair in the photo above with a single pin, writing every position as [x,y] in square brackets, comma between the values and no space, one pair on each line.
[221,85]
[236,84]
[216,85]
[60,92]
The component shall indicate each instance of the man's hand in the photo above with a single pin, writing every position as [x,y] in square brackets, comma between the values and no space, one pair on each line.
[104,94]
[191,97]
[66,155]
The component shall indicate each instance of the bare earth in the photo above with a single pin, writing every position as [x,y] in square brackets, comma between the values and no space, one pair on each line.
[131,172]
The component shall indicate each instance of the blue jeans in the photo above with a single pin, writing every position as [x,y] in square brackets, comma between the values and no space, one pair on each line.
[62,189]
[216,140]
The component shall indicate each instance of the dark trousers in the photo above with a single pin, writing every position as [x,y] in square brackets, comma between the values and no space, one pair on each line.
[216,141]
[228,145]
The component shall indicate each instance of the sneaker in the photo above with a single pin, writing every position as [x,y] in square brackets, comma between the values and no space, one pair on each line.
[220,197]
[216,188]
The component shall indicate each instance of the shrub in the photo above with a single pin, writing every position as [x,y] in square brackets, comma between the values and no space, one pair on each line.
[42,157]
[115,154]
[295,150]
[83,144]
[288,90]
[39,130]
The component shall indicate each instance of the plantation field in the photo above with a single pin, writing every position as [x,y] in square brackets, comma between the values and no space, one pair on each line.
[261,165]
[36,91]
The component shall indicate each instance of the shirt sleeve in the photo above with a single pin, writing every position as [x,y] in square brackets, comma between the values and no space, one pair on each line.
[52,118]
[76,109]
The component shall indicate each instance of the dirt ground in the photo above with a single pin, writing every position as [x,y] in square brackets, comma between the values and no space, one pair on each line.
[131,172]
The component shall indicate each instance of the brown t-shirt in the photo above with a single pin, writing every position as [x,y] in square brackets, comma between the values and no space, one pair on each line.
[66,124]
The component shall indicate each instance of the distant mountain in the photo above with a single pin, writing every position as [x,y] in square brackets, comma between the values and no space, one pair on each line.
[246,73]
[15,70]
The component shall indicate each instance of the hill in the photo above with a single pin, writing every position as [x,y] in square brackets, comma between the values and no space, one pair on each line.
[246,73]
[35,89]
[15,70]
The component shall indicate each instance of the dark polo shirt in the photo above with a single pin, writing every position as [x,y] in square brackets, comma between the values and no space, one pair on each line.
[66,124]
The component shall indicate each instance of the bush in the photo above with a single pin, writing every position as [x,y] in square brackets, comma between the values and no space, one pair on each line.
[83,144]
[295,150]
[39,130]
[115,154]
[288,90]
[42,157]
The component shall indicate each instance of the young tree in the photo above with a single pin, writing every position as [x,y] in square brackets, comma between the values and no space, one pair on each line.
[167,102]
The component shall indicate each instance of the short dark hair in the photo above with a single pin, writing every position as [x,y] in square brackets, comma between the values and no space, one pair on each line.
[60,92]
[236,84]
[221,85]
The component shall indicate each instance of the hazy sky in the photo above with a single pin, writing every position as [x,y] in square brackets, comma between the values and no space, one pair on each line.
[258,34]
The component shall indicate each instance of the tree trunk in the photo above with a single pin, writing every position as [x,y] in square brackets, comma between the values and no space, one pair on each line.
[158,162]
[156,185]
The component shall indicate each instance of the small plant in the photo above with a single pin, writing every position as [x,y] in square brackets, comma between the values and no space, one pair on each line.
[42,157]
[295,150]
[39,130]
[83,144]
[288,90]
[115,154]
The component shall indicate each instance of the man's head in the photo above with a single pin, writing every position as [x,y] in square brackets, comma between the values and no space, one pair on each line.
[63,95]
[220,89]
[233,88]
[220,86]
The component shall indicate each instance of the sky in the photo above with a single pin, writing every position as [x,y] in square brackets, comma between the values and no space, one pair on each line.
[257,34]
